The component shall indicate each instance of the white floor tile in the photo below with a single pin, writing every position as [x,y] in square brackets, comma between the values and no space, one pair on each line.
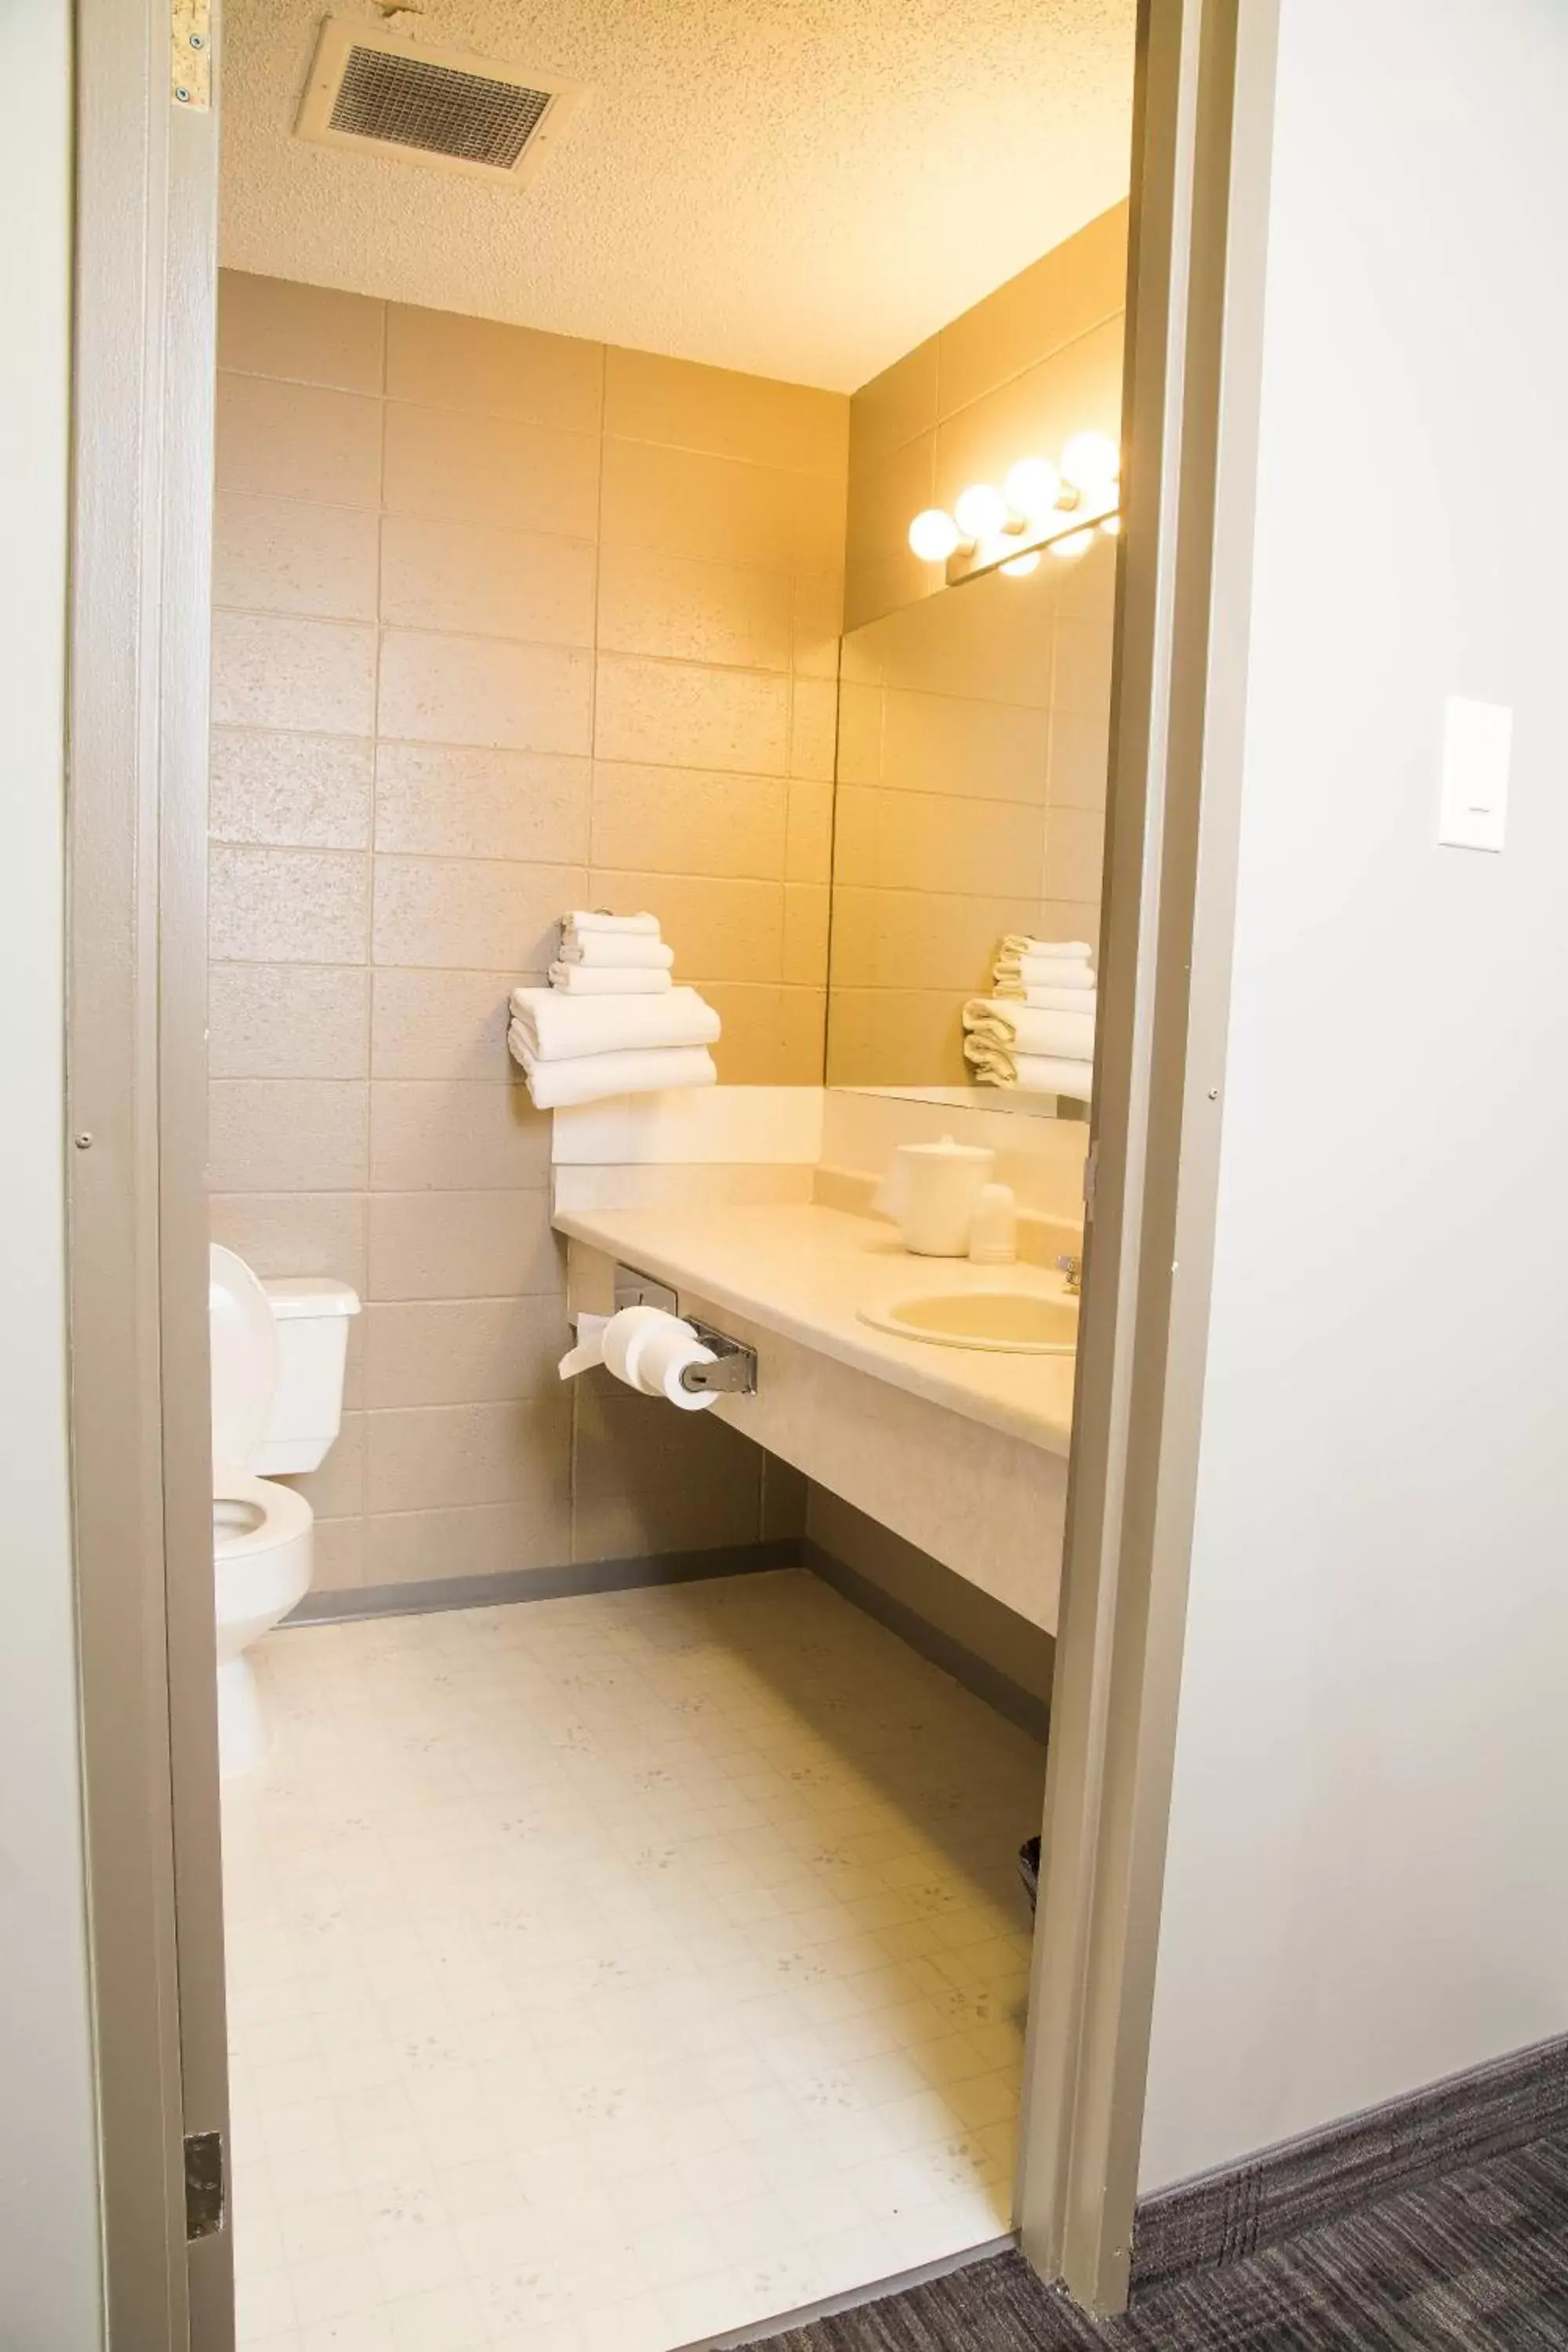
[616,1972]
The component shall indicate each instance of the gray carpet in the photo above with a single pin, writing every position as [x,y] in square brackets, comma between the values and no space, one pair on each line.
[1476,2261]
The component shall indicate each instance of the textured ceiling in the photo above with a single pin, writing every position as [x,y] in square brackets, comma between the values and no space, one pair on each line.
[800,188]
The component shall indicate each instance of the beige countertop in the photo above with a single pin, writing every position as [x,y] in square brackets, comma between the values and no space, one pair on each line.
[803,1270]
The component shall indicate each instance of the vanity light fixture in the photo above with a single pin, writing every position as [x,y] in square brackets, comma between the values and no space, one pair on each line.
[1038,506]
[1093,466]
[981,511]
[934,536]
[1033,487]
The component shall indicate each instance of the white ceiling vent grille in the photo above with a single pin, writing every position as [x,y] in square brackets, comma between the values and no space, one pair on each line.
[376,92]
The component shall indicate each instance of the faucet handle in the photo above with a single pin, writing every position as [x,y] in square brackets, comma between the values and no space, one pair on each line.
[1073,1269]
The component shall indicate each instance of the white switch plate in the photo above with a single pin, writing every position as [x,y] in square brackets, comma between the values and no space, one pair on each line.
[1478,741]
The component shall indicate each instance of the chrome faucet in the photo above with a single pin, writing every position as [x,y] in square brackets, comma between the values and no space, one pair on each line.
[1072,1268]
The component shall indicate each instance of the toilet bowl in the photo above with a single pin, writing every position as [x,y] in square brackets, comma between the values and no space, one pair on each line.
[261,1561]
[277,1354]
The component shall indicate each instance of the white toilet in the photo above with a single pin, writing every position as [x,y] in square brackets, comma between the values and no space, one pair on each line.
[278,1351]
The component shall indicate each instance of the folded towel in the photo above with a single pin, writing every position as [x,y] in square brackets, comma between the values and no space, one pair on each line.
[558,1028]
[592,919]
[608,980]
[593,1077]
[616,950]
[1053,1000]
[1043,1074]
[1018,943]
[1047,1074]
[1028,1028]
[1014,975]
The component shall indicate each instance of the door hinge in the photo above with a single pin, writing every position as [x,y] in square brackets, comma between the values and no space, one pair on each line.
[1090,1178]
[191,55]
[205,2201]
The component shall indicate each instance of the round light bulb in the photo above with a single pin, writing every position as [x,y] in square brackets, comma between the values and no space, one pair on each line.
[1020,566]
[934,535]
[1092,463]
[1033,487]
[982,510]
[1077,542]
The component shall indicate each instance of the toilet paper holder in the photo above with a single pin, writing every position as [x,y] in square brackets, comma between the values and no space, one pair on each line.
[734,1373]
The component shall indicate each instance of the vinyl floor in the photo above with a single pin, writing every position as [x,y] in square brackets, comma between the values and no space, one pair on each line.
[609,1973]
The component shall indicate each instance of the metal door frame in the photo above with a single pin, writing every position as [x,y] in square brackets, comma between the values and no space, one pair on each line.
[1202,155]
[146,183]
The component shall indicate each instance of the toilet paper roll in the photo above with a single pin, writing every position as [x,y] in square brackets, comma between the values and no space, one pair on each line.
[623,1334]
[607,1339]
[590,1347]
[647,1348]
[662,1354]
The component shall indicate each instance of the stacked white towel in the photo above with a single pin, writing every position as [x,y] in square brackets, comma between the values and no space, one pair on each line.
[1024,965]
[610,980]
[611,1021]
[1037,1030]
[1017,1026]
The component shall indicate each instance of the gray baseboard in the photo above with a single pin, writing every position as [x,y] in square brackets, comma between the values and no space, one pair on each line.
[1226,2215]
[987,1682]
[350,1602]
[855,2298]
[347,1603]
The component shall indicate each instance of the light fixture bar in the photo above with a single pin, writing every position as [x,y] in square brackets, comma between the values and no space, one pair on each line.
[978,562]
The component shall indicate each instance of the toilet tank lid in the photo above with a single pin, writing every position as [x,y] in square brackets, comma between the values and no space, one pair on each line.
[310,1295]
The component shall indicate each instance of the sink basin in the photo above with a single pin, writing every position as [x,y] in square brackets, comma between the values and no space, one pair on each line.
[1008,1322]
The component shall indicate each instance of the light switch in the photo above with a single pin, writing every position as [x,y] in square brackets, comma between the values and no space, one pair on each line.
[1478,740]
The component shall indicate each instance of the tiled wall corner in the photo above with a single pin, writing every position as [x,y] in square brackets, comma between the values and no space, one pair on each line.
[503,621]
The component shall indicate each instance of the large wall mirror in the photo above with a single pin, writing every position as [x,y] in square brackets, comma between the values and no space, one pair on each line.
[974,730]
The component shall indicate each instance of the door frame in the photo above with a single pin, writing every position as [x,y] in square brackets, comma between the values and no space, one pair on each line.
[145,258]
[1202,159]
[145,203]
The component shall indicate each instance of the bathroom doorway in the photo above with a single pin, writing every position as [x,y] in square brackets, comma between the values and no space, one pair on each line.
[763,1628]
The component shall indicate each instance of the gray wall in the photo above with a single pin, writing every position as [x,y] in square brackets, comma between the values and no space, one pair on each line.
[49,2261]
[1366,1883]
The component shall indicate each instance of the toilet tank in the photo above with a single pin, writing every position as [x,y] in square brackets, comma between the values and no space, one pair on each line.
[312,1320]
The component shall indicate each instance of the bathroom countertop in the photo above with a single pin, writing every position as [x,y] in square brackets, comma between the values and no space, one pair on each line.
[803,1270]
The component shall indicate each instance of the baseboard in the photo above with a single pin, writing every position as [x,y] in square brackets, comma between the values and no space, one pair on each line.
[855,2298]
[1226,2215]
[354,1601]
[986,1681]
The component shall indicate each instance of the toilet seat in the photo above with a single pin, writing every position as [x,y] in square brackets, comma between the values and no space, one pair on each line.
[285,1516]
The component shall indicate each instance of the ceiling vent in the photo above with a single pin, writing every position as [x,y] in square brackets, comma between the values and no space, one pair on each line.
[373,91]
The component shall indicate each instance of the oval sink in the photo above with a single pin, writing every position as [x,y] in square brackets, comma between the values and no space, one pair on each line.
[1009,1322]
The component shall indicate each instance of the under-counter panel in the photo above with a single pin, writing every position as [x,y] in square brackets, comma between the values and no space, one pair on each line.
[983,1500]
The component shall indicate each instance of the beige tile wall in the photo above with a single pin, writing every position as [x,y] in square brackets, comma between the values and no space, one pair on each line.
[504,622]
[1036,361]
